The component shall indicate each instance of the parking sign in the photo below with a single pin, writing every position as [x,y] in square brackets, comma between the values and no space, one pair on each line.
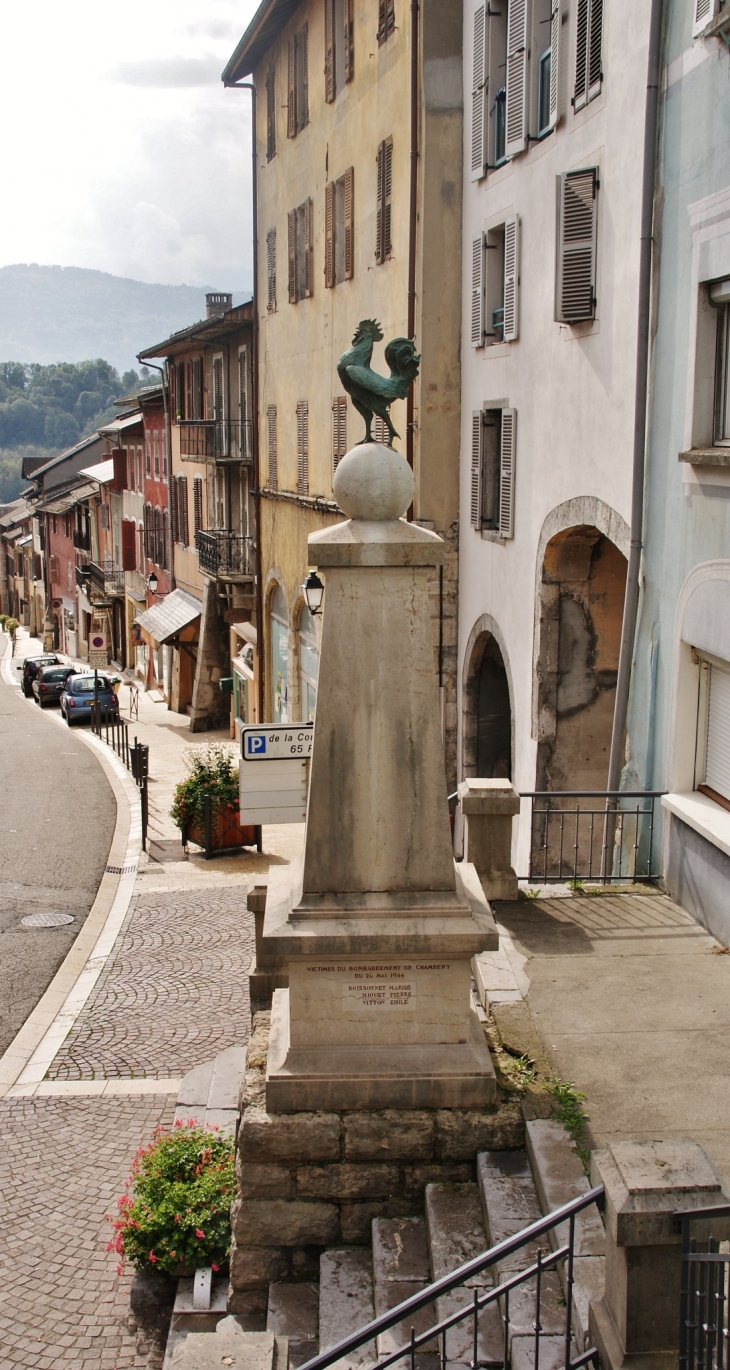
[290,742]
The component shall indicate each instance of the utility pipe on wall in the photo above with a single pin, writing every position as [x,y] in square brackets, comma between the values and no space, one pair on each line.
[631,600]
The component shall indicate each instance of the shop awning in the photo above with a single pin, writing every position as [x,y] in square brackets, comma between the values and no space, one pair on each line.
[166,619]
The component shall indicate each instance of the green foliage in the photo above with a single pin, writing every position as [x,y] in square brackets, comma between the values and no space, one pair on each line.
[214,772]
[570,1112]
[175,1211]
[532,892]
[11,626]
[576,885]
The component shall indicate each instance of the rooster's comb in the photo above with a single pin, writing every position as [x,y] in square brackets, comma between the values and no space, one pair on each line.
[368,328]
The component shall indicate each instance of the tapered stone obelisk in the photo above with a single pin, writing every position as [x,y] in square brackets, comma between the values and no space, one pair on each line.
[376,926]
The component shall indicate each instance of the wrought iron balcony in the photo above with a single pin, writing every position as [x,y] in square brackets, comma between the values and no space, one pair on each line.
[82,539]
[224,556]
[215,440]
[106,578]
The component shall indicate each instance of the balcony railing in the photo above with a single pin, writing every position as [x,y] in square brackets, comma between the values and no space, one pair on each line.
[224,555]
[106,578]
[215,440]
[82,539]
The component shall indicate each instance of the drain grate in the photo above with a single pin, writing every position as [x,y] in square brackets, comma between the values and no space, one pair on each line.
[47,920]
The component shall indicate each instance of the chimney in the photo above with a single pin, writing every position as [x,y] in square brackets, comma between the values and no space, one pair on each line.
[217,302]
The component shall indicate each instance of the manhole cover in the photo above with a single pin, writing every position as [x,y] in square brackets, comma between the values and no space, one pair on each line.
[46,920]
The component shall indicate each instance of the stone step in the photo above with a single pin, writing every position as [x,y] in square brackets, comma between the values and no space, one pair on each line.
[293,1313]
[401,1267]
[509,1204]
[228,1345]
[209,1094]
[456,1234]
[346,1301]
[559,1177]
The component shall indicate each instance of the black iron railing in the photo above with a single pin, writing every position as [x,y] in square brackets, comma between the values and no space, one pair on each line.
[113,730]
[215,440]
[704,1325]
[82,539]
[107,578]
[224,554]
[607,836]
[481,1298]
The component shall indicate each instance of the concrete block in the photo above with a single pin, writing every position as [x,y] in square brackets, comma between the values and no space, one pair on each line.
[509,1200]
[294,1312]
[346,1302]
[347,1181]
[391,1134]
[228,1345]
[300,1137]
[455,1229]
[228,1070]
[195,1087]
[284,1222]
[460,1339]
[263,1181]
[462,1133]
[255,1267]
[559,1177]
[389,1295]
[400,1250]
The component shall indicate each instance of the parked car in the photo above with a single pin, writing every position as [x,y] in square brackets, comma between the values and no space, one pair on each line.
[50,682]
[32,665]
[77,698]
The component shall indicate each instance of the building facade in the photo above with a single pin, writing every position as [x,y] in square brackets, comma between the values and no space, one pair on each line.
[358,189]
[679,719]
[553,158]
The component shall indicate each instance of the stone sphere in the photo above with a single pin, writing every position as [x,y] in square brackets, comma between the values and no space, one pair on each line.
[373,482]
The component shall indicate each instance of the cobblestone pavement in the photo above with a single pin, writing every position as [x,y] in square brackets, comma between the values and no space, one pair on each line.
[65,1162]
[173,993]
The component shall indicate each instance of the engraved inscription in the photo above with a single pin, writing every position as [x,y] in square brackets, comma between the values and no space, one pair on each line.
[378,985]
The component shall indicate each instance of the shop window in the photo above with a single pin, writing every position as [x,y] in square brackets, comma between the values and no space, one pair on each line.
[279,656]
[308,664]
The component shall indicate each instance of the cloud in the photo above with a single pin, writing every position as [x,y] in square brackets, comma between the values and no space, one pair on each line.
[173,72]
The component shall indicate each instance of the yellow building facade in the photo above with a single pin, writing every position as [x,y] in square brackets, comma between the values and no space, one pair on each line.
[348,98]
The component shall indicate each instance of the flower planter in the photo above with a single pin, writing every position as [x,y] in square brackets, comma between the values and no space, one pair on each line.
[225,831]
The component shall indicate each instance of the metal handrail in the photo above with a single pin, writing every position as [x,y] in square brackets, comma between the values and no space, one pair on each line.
[447,1283]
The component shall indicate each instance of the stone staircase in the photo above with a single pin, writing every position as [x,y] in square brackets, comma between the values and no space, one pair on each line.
[356,1284]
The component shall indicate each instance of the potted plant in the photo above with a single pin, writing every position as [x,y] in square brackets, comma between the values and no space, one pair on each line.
[213,777]
[174,1216]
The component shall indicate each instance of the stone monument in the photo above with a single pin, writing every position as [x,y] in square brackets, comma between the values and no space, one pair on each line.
[376,926]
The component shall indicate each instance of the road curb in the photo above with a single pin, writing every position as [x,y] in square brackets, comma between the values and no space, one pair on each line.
[25,1062]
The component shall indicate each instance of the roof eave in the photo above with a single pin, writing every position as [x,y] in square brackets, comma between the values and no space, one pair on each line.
[254,44]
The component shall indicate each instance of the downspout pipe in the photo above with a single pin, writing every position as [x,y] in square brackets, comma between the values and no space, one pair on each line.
[631,600]
[168,439]
[248,85]
[412,224]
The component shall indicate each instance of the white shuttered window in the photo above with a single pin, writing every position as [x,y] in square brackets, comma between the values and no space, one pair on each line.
[517,97]
[704,11]
[575,284]
[511,330]
[477,291]
[492,485]
[479,112]
[507,473]
[717,762]
[588,52]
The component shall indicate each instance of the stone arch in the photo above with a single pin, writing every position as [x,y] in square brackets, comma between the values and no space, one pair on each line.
[486,672]
[277,653]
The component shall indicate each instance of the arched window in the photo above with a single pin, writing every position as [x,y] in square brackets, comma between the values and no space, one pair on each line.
[308,664]
[494,719]
[279,656]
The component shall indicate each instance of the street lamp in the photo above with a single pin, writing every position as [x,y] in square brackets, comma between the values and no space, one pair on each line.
[152,583]
[313,592]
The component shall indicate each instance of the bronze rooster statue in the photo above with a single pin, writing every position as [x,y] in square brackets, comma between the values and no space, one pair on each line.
[370,393]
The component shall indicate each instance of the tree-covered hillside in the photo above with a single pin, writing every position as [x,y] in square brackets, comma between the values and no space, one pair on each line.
[44,409]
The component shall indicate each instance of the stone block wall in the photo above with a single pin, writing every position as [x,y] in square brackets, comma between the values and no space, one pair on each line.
[306,1181]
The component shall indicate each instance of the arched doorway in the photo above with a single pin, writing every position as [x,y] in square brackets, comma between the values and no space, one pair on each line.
[308,664]
[279,620]
[488,732]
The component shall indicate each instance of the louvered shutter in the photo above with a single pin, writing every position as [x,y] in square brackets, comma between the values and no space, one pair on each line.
[54,571]
[270,113]
[292,242]
[197,388]
[705,10]
[173,510]
[146,537]
[386,19]
[302,447]
[477,291]
[580,91]
[517,101]
[387,196]
[576,265]
[349,39]
[329,234]
[158,553]
[329,50]
[182,510]
[507,473]
[291,99]
[119,458]
[477,457]
[717,764]
[271,268]
[349,216]
[302,78]
[165,538]
[379,257]
[339,430]
[479,95]
[129,550]
[511,329]
[308,248]
[555,20]
[198,503]
[595,48]
[273,450]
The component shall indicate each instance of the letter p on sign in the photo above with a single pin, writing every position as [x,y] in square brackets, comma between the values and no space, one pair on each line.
[255,744]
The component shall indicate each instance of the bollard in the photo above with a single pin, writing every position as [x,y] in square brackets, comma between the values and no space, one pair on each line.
[488,807]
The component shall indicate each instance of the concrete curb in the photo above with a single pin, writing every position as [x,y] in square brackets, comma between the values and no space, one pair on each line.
[27,1059]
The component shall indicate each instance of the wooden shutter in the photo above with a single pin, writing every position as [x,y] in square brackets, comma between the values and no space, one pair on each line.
[119,457]
[580,90]
[308,248]
[198,503]
[104,517]
[173,511]
[54,571]
[292,239]
[387,196]
[291,102]
[717,764]
[479,95]
[129,545]
[595,48]
[349,39]
[349,195]
[329,50]
[511,330]
[182,510]
[271,269]
[517,97]
[329,234]
[158,535]
[197,388]
[379,257]
[477,451]
[273,447]
[555,21]
[386,19]
[165,538]
[302,78]
[270,113]
[704,11]
[477,291]
[576,265]
[302,447]
[147,519]
[339,429]
[507,473]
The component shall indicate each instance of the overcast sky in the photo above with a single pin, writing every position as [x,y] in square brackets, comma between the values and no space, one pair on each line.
[120,148]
